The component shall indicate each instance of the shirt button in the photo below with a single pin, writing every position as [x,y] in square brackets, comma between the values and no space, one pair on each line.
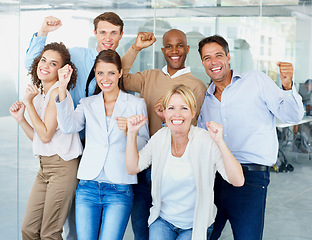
[225,135]
[224,120]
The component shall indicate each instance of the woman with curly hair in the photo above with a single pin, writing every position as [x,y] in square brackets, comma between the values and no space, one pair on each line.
[55,185]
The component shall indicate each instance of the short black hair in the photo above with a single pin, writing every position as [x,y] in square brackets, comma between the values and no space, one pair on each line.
[213,39]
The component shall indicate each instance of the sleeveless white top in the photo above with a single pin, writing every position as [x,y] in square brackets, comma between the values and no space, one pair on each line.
[67,146]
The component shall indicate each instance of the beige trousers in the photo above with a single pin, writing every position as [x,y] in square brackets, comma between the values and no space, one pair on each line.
[50,198]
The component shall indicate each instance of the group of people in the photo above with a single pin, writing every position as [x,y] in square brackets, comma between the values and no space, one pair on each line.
[181,160]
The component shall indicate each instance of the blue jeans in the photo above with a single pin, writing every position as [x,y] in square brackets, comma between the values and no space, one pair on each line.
[163,230]
[243,206]
[142,203]
[102,209]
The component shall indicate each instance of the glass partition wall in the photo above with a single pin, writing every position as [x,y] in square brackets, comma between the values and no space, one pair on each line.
[260,34]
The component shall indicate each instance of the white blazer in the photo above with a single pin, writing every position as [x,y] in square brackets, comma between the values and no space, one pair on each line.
[103,148]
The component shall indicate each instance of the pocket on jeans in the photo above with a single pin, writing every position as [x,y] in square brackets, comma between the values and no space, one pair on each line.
[122,187]
[82,182]
[126,189]
[257,179]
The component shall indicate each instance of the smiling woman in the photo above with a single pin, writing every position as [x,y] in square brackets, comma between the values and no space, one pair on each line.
[183,171]
[102,172]
[57,152]
[274,30]
[179,110]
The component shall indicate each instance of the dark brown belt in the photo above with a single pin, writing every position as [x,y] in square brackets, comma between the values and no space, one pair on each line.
[254,167]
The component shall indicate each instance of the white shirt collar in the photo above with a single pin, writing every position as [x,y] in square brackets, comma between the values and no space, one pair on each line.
[178,73]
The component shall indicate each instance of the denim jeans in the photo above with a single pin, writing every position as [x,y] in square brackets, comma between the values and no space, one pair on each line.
[163,230]
[141,205]
[102,209]
[243,206]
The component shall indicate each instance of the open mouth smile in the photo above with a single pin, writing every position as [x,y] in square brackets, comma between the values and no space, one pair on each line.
[216,70]
[44,72]
[177,122]
[175,58]
[106,85]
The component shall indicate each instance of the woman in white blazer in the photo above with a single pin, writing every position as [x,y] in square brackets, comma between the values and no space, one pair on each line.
[104,195]
[184,161]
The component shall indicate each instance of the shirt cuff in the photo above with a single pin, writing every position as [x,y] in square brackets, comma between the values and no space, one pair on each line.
[57,98]
[292,86]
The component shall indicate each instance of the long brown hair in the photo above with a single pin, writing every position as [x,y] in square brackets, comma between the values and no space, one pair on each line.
[109,56]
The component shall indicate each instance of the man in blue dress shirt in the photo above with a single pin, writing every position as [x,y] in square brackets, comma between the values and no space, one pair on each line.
[108,30]
[246,105]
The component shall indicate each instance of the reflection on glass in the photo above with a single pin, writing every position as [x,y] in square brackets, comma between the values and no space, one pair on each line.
[8,127]
[258,38]
[257,3]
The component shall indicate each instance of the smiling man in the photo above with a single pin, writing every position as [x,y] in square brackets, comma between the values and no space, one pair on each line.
[152,85]
[108,31]
[246,105]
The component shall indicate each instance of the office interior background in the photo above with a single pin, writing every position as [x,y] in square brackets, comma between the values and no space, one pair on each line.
[260,33]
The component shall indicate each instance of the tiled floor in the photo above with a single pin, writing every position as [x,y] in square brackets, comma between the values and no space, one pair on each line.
[289,202]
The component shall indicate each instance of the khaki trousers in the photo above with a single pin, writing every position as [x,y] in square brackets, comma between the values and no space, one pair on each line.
[50,198]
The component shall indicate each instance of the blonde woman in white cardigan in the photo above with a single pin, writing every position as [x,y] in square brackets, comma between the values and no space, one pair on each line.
[184,161]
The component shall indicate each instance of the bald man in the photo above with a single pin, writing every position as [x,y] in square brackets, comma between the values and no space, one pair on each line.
[152,84]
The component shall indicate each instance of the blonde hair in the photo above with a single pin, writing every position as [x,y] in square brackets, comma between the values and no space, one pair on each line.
[186,94]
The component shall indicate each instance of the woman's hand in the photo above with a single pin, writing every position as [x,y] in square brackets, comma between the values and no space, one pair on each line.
[31,92]
[232,167]
[216,131]
[17,110]
[122,124]
[135,122]
[158,109]
[64,75]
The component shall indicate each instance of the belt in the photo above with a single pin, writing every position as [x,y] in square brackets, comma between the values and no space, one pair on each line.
[254,167]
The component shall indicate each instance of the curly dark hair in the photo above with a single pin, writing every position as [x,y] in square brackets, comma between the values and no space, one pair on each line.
[65,55]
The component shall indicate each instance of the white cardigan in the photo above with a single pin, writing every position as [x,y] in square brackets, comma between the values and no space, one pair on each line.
[205,158]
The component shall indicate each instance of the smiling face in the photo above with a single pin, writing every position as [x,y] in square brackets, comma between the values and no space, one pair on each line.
[175,50]
[107,36]
[107,77]
[216,62]
[178,114]
[48,66]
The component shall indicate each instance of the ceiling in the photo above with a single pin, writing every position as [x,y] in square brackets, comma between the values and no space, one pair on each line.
[164,8]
